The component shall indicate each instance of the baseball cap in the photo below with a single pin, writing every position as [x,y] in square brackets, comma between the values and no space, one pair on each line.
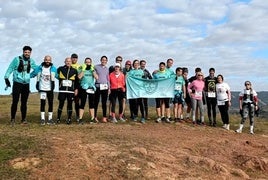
[128,62]
[117,64]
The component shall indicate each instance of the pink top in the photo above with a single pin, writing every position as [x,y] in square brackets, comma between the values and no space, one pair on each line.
[197,86]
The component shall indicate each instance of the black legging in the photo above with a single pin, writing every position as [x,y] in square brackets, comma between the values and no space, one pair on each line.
[83,95]
[19,90]
[211,106]
[145,105]
[104,95]
[62,96]
[140,104]
[224,112]
[117,94]
[50,98]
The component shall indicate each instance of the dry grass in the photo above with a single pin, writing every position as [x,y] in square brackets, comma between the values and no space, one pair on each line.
[128,150]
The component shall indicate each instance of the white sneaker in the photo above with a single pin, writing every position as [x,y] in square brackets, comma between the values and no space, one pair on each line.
[114,120]
[158,120]
[122,119]
[238,130]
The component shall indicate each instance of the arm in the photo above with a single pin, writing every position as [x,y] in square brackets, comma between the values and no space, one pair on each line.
[34,72]
[11,67]
[33,64]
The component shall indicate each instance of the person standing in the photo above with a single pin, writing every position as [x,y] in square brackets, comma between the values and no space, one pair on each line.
[187,98]
[118,59]
[68,88]
[210,90]
[162,104]
[132,107]
[87,76]
[223,94]
[136,72]
[118,88]
[180,94]
[75,65]
[248,104]
[195,90]
[20,67]
[169,66]
[102,88]
[45,84]
[147,75]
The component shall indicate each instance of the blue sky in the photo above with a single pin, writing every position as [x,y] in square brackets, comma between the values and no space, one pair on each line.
[229,35]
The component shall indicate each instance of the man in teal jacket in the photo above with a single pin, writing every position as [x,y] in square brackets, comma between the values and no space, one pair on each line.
[20,67]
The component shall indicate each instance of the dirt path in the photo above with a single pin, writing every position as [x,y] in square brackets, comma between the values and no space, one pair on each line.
[151,151]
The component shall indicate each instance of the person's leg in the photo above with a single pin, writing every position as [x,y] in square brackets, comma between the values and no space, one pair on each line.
[209,108]
[69,108]
[113,97]
[167,109]
[61,98]
[221,109]
[140,104]
[50,99]
[24,98]
[213,106]
[145,104]
[42,111]
[91,98]
[96,101]
[83,99]
[16,90]
[251,118]
[121,102]
[201,109]
[175,111]
[76,104]
[104,97]
[179,111]
[226,115]
[194,104]
[158,110]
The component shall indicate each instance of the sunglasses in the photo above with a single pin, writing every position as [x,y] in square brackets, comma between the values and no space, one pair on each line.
[247,84]
[199,75]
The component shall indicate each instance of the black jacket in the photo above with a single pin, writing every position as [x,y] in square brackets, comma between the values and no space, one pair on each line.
[68,79]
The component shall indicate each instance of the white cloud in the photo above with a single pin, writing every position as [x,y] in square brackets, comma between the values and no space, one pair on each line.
[223,34]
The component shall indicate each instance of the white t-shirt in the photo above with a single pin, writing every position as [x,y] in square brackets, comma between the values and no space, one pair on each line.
[221,90]
[45,83]
[247,92]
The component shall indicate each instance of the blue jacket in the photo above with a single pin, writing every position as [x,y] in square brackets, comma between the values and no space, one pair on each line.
[23,75]
[88,80]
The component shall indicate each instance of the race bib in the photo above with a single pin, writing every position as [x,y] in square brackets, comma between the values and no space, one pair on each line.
[198,93]
[43,95]
[90,91]
[67,83]
[178,87]
[103,86]
[211,94]
[221,103]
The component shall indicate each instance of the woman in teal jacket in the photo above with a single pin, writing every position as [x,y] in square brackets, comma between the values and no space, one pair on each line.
[87,76]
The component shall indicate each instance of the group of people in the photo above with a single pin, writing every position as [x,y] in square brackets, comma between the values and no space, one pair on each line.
[88,82]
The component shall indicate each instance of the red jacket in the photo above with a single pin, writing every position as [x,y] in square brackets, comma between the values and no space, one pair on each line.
[117,82]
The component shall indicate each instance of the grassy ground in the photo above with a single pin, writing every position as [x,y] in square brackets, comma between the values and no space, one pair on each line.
[128,150]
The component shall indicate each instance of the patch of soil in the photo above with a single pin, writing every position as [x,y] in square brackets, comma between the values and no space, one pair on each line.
[150,151]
